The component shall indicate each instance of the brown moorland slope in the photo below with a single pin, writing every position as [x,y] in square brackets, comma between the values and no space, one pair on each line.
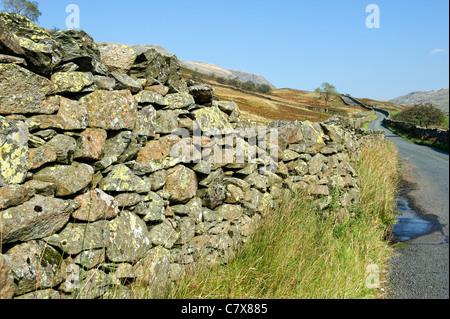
[288,104]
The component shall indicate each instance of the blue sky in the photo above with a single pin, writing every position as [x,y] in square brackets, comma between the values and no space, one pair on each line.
[296,44]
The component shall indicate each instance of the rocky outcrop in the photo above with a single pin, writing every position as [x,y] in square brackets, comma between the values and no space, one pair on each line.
[113,171]
[440,98]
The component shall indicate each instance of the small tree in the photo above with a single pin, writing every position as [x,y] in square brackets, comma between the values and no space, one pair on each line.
[249,86]
[327,92]
[421,114]
[264,88]
[26,8]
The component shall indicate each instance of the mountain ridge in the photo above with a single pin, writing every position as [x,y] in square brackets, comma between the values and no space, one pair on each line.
[440,98]
[207,68]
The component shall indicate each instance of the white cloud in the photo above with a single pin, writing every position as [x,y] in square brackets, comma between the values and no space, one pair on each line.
[437,51]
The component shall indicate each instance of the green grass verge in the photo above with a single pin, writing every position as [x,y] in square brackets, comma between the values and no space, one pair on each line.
[301,252]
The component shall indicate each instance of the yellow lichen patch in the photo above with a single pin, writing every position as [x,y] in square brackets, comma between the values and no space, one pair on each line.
[7,215]
[212,119]
[33,46]
[12,167]
[122,173]
[72,81]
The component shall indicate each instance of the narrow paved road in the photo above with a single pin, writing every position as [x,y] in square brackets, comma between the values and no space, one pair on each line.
[421,268]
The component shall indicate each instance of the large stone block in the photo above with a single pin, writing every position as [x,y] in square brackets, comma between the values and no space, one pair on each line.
[129,240]
[22,37]
[181,183]
[79,48]
[73,82]
[23,92]
[111,110]
[122,179]
[211,119]
[35,266]
[69,179]
[117,57]
[38,218]
[95,205]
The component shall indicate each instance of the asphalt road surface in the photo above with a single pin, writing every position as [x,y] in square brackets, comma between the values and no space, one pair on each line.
[420,269]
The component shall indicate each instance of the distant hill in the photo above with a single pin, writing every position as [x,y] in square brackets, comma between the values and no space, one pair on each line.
[440,98]
[208,69]
[245,76]
[212,69]
[142,48]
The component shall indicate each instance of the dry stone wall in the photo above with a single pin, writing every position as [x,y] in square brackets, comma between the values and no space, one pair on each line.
[113,170]
[441,136]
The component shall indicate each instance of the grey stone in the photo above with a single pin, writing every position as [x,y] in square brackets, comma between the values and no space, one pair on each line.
[129,239]
[111,110]
[179,101]
[158,179]
[42,188]
[21,37]
[64,146]
[117,57]
[202,93]
[153,272]
[230,212]
[126,82]
[38,218]
[151,97]
[122,179]
[212,119]
[315,164]
[95,205]
[24,92]
[181,184]
[145,124]
[73,82]
[186,228]
[26,260]
[213,196]
[90,258]
[79,47]
[165,121]
[7,286]
[68,179]
[14,195]
[151,208]
[104,83]
[127,199]
[164,234]
[75,238]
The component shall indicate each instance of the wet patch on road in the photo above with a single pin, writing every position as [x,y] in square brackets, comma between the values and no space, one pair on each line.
[410,224]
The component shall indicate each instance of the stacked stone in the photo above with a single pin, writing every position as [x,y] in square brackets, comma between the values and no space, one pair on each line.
[92,195]
[439,135]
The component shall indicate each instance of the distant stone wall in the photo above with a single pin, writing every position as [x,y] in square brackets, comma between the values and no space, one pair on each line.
[441,136]
[113,170]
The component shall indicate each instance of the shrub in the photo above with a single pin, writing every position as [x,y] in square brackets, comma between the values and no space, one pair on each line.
[424,115]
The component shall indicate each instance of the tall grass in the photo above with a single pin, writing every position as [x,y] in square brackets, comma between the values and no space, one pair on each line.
[300,252]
